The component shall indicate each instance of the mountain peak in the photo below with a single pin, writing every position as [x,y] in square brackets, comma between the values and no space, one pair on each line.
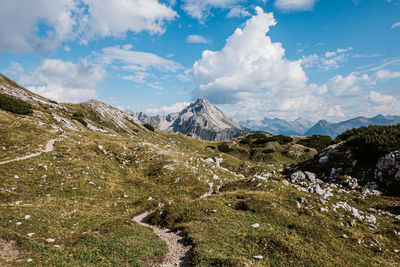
[202,101]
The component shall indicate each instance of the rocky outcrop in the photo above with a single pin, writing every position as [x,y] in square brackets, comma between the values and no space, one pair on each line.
[339,165]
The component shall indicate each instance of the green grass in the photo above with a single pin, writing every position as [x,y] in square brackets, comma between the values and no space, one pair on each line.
[85,198]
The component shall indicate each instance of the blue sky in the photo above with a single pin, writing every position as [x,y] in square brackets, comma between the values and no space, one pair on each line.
[278,58]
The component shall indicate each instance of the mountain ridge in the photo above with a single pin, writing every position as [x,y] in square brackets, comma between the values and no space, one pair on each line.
[200,119]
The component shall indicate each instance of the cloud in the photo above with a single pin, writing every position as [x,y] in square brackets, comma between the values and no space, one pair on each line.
[341,85]
[248,63]
[177,107]
[386,75]
[67,48]
[201,9]
[117,17]
[329,60]
[238,12]
[139,77]
[396,25]
[65,81]
[196,39]
[335,112]
[134,61]
[20,21]
[377,98]
[33,26]
[295,5]
[155,85]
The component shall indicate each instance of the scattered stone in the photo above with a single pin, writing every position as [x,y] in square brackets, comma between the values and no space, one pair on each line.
[50,240]
[323,159]
[311,176]
[19,223]
[258,257]
[256,225]
[344,236]
[297,177]
[27,217]
[150,198]
[285,182]
[30,234]
[29,260]
[16,176]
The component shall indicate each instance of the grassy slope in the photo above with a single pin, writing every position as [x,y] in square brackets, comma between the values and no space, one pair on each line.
[76,195]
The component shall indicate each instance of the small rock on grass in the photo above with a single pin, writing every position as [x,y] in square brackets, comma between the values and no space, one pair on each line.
[258,257]
[256,225]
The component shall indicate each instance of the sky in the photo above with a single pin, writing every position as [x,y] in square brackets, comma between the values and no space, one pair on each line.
[314,59]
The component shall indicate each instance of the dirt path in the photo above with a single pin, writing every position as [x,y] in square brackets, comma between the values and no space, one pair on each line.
[49,148]
[178,253]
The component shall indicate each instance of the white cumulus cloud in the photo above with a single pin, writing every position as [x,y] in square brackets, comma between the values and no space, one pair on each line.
[116,17]
[249,62]
[65,81]
[238,12]
[22,22]
[177,107]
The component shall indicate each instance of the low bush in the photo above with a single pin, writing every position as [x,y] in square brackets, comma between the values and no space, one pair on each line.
[15,105]
[371,142]
[224,147]
[319,142]
[79,117]
[149,127]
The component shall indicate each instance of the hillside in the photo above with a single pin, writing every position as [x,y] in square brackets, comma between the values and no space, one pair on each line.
[79,184]
[200,119]
[334,129]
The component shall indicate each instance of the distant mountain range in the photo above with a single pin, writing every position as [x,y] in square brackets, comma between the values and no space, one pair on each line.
[279,126]
[305,127]
[200,119]
[334,129]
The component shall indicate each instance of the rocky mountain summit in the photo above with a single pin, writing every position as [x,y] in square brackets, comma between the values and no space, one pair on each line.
[201,120]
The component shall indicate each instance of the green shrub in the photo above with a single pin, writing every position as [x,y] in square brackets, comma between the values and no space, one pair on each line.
[81,120]
[15,105]
[79,117]
[319,142]
[224,147]
[78,114]
[281,139]
[373,141]
[149,127]
[268,151]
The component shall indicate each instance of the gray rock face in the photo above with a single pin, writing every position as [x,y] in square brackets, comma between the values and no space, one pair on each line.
[201,120]
[388,166]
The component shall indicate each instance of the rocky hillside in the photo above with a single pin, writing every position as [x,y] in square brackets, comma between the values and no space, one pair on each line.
[334,129]
[200,119]
[80,184]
